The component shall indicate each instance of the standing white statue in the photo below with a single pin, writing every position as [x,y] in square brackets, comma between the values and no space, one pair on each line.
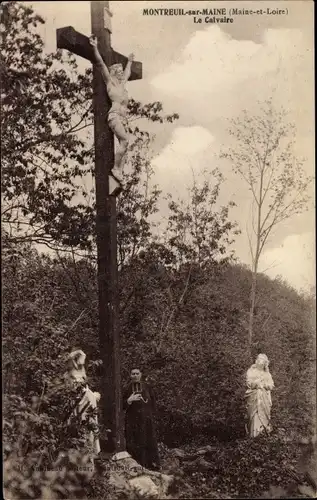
[115,79]
[258,396]
[90,399]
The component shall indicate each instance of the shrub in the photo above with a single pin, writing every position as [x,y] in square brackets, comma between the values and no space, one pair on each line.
[245,468]
[46,449]
[65,478]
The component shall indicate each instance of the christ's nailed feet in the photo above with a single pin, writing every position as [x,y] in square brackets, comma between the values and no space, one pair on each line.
[115,185]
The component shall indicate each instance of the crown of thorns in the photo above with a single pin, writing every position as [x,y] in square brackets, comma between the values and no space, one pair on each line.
[115,67]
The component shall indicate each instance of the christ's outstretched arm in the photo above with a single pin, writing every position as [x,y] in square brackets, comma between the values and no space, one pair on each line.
[127,71]
[98,59]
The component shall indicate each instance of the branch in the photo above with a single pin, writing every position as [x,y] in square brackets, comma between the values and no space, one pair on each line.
[250,244]
[79,296]
[12,207]
[77,275]
[178,304]
[278,217]
[252,217]
[265,322]
[126,303]
[81,128]
[255,149]
[268,184]
[57,137]
[73,128]
[275,206]
[267,232]
[43,161]
[75,322]
[270,267]
[292,202]
[250,183]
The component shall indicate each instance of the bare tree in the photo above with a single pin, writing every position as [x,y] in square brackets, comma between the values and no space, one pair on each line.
[263,156]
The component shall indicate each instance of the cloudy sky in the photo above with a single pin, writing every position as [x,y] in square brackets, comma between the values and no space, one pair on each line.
[208,74]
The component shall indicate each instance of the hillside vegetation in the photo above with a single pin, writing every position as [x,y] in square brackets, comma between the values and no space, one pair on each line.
[197,367]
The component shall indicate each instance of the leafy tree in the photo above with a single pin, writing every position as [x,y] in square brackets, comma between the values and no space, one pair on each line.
[166,270]
[47,150]
[196,230]
[44,106]
[263,156]
[136,206]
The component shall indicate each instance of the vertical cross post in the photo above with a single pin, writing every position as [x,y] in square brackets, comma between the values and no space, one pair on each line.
[106,224]
[106,235]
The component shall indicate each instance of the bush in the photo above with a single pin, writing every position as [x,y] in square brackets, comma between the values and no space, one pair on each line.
[46,449]
[245,468]
[26,478]
[197,375]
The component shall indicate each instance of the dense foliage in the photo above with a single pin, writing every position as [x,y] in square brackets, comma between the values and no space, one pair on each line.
[198,372]
[47,150]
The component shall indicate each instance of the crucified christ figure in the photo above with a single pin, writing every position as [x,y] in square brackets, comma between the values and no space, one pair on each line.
[115,79]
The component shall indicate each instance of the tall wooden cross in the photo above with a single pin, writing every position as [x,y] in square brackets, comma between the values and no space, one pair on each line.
[68,38]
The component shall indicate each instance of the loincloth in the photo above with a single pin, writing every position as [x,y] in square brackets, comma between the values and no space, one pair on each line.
[115,116]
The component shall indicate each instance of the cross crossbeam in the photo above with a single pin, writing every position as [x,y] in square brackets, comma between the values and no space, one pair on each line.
[68,38]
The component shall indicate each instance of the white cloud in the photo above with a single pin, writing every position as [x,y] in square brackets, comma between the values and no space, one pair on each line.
[185,152]
[294,259]
[214,78]
[188,141]
[216,73]
[210,60]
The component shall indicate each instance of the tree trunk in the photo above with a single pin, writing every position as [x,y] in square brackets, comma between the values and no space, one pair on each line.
[253,299]
[255,263]
[252,306]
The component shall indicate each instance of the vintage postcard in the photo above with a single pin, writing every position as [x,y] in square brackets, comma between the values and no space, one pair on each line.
[158,249]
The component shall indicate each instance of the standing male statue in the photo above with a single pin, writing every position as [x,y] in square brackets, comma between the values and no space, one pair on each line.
[115,79]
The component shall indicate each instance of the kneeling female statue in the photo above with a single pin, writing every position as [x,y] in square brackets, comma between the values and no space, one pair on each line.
[86,407]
